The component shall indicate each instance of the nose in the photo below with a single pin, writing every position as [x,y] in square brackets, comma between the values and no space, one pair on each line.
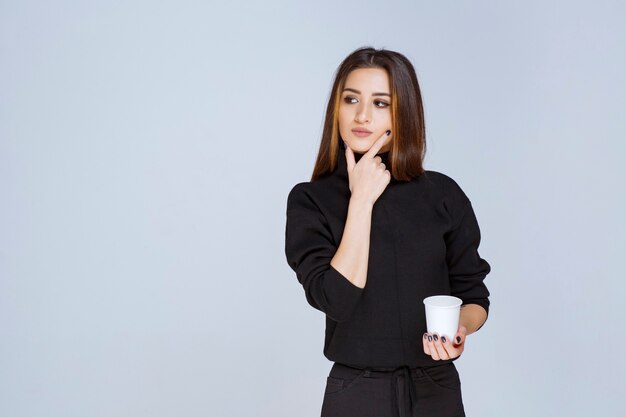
[362,114]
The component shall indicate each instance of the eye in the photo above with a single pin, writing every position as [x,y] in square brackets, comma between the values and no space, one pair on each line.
[378,103]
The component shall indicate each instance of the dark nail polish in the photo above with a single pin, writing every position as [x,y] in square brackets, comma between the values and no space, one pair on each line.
[443,339]
[435,337]
[458,339]
[430,338]
[388,132]
[425,335]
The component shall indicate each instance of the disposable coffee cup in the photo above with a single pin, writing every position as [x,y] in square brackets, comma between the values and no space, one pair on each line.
[442,315]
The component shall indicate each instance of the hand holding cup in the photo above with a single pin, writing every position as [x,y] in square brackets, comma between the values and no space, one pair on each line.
[442,348]
[442,322]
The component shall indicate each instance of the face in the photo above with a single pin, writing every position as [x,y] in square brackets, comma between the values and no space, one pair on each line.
[365,104]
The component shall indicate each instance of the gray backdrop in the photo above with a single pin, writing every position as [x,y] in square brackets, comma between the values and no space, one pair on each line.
[146,153]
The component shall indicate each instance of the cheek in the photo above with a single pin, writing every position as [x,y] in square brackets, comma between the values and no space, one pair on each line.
[387,120]
[344,119]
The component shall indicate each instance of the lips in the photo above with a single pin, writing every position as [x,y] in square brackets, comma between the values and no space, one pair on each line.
[360,132]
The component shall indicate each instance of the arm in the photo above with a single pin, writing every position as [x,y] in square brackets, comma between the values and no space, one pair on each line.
[336,285]
[366,182]
[352,255]
[467,271]
[328,273]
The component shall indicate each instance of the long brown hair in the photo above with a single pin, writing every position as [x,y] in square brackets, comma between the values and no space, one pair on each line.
[408,144]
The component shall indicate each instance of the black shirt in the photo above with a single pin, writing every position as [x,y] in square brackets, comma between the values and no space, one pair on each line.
[424,241]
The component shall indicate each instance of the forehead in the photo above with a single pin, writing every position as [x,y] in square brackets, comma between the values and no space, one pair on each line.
[368,80]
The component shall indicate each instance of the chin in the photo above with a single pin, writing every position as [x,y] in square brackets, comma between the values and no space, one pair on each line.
[359,149]
[361,145]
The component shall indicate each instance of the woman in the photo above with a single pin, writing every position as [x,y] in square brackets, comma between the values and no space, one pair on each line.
[373,234]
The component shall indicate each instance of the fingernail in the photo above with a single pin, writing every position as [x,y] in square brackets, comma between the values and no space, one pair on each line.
[388,132]
[435,337]
[425,335]
[443,339]
[458,339]
[430,338]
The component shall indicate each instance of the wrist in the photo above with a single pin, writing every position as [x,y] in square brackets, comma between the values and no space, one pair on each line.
[472,316]
[361,202]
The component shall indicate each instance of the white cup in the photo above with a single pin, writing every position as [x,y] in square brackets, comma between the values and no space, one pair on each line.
[442,315]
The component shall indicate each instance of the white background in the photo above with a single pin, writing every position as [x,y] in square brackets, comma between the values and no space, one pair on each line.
[146,153]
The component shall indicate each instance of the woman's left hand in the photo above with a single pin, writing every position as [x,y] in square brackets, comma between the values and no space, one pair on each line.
[440,348]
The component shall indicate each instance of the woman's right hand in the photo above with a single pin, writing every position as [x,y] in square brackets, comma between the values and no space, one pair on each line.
[368,178]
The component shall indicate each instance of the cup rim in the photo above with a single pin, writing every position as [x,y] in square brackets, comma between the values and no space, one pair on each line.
[457,301]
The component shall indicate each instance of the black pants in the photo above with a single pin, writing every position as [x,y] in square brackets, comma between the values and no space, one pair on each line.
[402,392]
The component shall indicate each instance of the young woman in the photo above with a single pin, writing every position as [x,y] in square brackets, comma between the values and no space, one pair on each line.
[373,234]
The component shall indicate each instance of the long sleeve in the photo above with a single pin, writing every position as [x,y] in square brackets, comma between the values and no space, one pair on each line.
[467,270]
[309,248]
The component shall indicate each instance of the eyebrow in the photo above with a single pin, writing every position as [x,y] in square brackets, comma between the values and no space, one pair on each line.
[358,92]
